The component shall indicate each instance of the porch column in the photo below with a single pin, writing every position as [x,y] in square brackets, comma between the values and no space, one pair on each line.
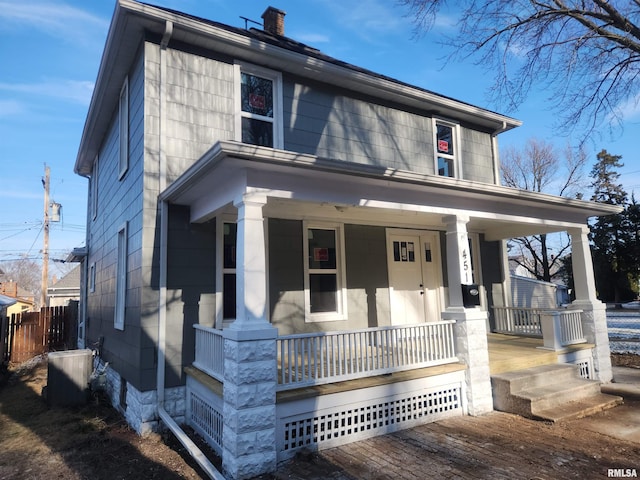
[250,375]
[594,318]
[471,323]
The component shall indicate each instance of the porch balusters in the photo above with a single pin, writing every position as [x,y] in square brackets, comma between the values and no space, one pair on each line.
[321,358]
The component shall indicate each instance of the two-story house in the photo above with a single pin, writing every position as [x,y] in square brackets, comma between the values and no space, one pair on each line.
[286,251]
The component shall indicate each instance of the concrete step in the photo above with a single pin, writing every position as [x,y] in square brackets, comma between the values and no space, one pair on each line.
[549,392]
[549,396]
[578,408]
[536,376]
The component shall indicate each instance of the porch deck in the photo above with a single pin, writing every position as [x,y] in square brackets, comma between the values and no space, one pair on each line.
[508,353]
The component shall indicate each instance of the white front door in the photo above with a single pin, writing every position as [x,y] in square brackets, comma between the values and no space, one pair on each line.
[415,278]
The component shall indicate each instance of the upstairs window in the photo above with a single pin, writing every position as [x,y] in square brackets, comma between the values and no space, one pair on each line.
[446,149]
[260,108]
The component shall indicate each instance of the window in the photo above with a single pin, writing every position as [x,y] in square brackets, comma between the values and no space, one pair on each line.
[94,189]
[446,149]
[324,274]
[121,279]
[92,277]
[229,271]
[123,121]
[259,106]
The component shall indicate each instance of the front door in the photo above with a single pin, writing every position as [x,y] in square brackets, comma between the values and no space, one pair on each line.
[415,278]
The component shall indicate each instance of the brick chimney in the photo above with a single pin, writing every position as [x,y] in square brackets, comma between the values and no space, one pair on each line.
[274,21]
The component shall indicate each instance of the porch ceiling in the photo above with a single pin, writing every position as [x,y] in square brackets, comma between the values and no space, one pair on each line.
[306,186]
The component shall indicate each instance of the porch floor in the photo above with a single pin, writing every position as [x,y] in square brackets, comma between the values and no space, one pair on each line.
[508,353]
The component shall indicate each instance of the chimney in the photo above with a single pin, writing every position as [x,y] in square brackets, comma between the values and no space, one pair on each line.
[274,21]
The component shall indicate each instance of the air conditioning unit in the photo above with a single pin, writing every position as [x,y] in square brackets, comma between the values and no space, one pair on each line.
[68,377]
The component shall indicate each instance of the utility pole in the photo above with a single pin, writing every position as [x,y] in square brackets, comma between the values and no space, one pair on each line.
[45,248]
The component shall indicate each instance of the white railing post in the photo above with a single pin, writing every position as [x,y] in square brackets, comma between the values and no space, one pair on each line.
[551,329]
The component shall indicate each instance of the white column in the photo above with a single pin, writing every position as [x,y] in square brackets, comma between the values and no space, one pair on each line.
[594,316]
[458,257]
[250,360]
[471,323]
[251,265]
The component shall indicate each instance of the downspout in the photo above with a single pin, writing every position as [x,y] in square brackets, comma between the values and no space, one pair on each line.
[200,458]
[84,288]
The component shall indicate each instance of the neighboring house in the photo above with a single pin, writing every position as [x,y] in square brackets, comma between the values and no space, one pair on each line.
[5,303]
[65,289]
[531,293]
[25,300]
[264,219]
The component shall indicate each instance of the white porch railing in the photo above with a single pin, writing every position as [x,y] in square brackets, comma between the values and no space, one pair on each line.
[571,327]
[327,357]
[558,328]
[209,351]
[518,321]
[320,358]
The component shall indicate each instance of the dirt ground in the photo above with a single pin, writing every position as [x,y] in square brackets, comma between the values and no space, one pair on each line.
[94,442]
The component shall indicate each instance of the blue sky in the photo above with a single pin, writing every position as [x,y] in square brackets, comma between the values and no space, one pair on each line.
[50,52]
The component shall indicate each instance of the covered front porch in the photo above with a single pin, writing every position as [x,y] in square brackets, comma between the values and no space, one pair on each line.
[338,387]
[316,318]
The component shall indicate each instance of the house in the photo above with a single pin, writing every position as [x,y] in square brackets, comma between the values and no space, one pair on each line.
[25,300]
[271,232]
[65,289]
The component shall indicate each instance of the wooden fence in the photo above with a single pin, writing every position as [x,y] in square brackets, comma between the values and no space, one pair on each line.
[28,334]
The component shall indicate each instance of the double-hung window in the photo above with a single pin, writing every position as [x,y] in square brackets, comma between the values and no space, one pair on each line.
[259,105]
[446,148]
[230,237]
[324,278]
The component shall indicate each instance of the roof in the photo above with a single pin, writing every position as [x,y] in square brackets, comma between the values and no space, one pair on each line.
[132,21]
[6,301]
[71,281]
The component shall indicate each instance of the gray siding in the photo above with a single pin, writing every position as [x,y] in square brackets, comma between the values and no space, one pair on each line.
[477,156]
[491,256]
[190,287]
[329,124]
[120,201]
[199,106]
[367,276]
[286,276]
[367,282]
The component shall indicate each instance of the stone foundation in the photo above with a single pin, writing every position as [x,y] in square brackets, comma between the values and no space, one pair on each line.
[140,409]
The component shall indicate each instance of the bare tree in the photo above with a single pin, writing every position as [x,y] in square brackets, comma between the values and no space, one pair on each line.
[25,272]
[538,168]
[585,53]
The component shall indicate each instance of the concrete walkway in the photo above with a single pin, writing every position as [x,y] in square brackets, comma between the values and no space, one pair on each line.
[493,446]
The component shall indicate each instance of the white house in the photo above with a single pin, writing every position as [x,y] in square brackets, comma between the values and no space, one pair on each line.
[271,232]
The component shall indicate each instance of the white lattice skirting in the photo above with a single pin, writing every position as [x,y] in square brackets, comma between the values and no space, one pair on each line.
[583,359]
[204,413]
[340,418]
[336,419]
